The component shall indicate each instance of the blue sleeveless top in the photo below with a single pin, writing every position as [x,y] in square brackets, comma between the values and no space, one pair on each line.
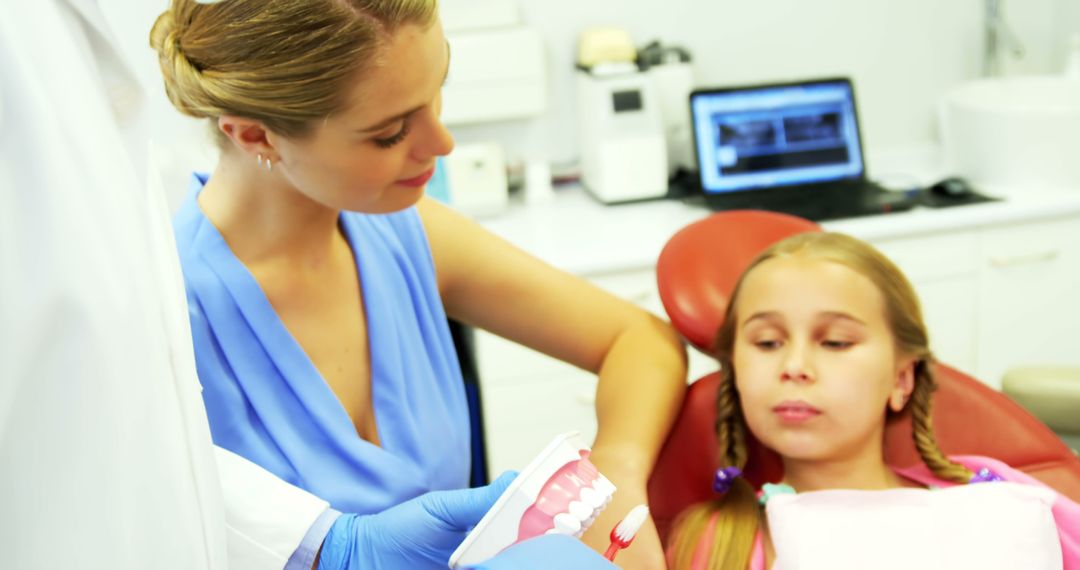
[267,402]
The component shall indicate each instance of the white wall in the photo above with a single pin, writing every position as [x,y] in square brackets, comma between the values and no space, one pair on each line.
[902,55]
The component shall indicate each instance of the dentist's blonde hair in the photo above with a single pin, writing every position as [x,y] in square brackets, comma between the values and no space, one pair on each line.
[737,514]
[284,63]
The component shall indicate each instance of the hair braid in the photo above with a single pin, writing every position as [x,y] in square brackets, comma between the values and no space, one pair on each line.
[735,517]
[923,428]
[730,430]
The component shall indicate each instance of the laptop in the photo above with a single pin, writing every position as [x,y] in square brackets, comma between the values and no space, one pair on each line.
[790,147]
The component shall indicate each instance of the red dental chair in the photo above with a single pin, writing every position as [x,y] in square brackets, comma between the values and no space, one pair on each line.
[696,273]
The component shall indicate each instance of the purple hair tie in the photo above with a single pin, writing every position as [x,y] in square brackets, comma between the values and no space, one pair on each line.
[985,475]
[725,478]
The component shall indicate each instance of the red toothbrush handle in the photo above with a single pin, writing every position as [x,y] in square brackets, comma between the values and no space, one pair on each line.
[611,550]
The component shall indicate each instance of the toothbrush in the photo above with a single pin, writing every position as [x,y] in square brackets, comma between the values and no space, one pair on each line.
[623,533]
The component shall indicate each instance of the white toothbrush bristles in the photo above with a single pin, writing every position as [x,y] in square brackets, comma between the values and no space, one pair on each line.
[629,526]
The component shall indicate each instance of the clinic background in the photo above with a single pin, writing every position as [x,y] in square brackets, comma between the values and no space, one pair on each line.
[902,57]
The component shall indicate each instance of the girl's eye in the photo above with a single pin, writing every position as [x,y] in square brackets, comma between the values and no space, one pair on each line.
[767,344]
[395,138]
[836,344]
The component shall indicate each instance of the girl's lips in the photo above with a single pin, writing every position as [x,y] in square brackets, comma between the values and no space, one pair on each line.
[419,180]
[796,412]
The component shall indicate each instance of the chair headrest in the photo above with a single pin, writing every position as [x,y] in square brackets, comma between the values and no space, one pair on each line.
[698,268]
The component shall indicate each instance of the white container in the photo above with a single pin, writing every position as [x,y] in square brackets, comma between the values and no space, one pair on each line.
[1014,135]
[476,179]
[621,132]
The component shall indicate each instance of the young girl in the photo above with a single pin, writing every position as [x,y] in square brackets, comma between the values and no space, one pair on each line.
[823,338]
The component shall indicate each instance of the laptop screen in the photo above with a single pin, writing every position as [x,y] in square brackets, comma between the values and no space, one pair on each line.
[776,135]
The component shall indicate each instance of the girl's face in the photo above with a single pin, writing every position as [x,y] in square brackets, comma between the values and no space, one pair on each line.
[815,361]
[377,155]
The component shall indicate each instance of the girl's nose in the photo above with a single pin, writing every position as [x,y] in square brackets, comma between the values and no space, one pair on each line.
[796,365]
[797,374]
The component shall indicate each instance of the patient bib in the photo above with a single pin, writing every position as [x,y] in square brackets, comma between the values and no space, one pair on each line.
[987,526]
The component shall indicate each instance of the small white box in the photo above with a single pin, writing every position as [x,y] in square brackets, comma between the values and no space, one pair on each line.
[476,179]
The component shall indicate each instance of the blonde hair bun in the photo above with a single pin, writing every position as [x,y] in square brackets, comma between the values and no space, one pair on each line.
[183,82]
[285,63]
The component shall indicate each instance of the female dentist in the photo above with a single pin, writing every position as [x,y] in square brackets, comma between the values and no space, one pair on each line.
[319,277]
[105,453]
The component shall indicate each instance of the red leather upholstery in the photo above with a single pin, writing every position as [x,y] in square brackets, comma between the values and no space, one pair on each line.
[696,273]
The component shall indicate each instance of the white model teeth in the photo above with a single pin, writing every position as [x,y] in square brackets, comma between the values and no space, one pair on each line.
[592,497]
[581,513]
[566,524]
[580,510]
[605,488]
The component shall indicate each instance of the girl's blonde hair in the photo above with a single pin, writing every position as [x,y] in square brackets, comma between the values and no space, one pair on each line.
[737,514]
[284,63]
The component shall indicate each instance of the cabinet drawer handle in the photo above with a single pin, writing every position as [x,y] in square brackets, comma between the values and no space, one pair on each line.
[586,398]
[1024,259]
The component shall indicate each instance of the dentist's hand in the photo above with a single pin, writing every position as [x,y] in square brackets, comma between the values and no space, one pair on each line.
[420,533]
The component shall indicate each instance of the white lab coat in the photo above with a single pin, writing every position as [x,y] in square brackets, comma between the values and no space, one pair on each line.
[105,453]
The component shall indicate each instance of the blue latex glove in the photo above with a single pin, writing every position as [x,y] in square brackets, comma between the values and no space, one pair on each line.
[417,534]
[545,552]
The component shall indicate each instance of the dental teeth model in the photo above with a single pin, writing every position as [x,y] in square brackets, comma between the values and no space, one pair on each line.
[560,491]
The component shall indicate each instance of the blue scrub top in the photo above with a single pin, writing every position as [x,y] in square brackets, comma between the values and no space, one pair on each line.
[267,402]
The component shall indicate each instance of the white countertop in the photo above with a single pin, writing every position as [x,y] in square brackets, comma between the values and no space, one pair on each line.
[576,233]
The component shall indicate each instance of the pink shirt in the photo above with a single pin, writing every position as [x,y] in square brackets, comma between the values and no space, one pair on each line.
[1066,512]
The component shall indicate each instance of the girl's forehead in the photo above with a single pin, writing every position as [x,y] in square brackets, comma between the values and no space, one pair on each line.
[804,283]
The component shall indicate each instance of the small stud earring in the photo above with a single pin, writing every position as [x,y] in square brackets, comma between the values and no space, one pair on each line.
[269,165]
[258,158]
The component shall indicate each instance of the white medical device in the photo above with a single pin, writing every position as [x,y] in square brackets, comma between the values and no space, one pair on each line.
[621,134]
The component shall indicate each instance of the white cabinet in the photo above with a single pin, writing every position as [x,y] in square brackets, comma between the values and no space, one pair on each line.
[1029,309]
